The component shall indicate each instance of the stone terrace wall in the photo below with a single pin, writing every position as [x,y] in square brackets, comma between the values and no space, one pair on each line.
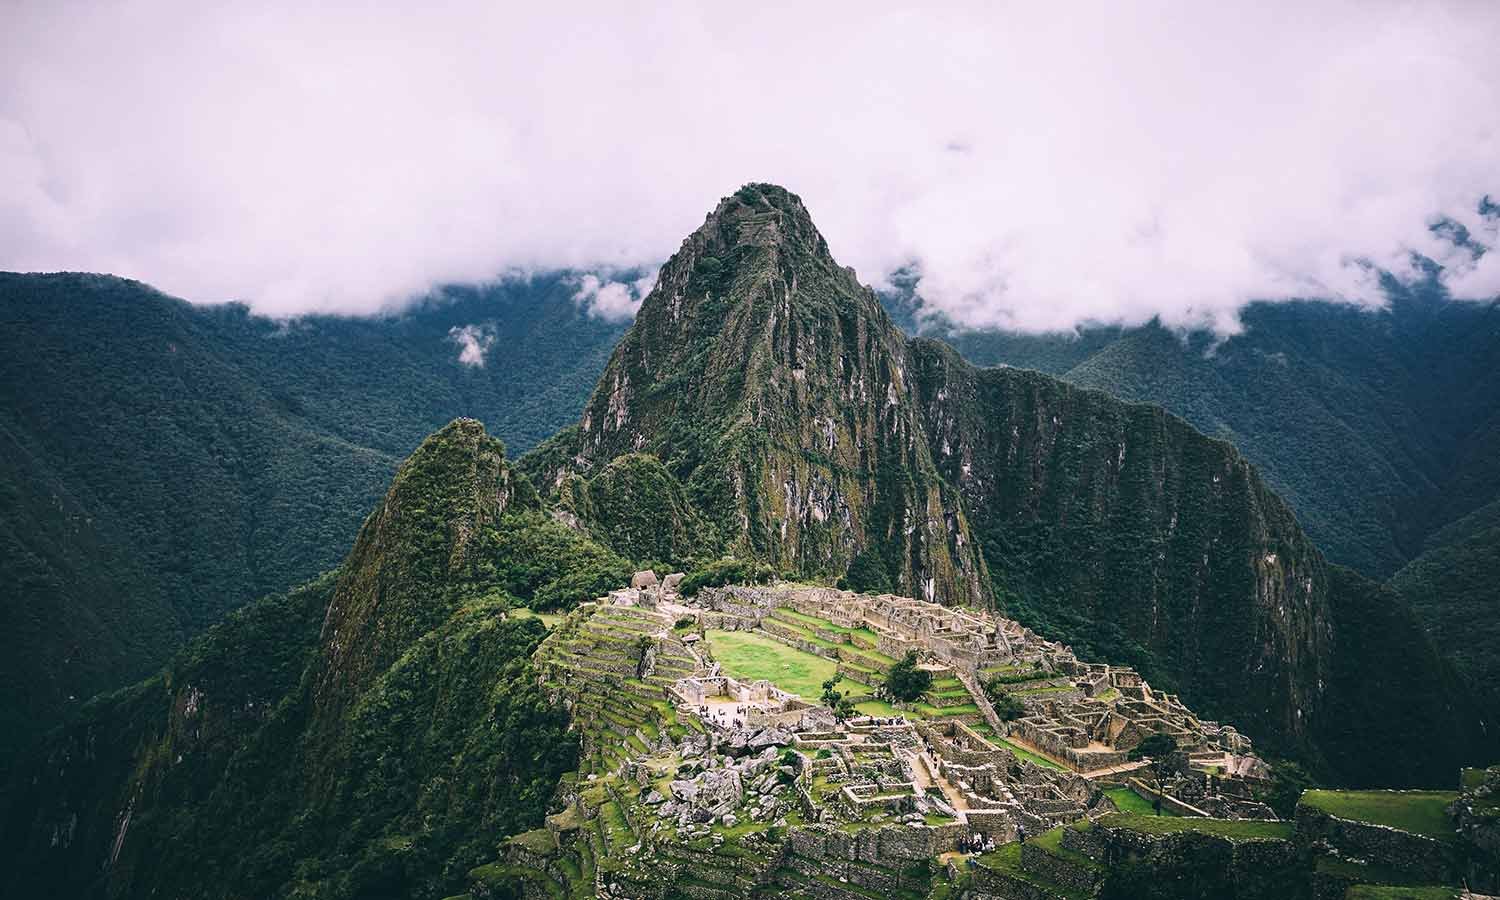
[1391,847]
[1204,865]
[892,845]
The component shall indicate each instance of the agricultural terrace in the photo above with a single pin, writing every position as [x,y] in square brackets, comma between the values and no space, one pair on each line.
[1420,812]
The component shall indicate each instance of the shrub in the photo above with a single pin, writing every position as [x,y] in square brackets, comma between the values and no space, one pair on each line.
[1007,707]
[726,571]
[837,700]
[906,682]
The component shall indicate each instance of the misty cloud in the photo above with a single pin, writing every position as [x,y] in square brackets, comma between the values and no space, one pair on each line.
[474,341]
[1037,167]
[613,301]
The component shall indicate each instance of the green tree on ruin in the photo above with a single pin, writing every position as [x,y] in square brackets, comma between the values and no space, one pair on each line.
[1157,749]
[837,700]
[906,682]
[1007,706]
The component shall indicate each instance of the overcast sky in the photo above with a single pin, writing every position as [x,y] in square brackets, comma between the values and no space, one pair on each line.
[1041,168]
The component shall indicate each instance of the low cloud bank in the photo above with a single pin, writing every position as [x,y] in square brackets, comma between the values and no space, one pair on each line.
[1038,168]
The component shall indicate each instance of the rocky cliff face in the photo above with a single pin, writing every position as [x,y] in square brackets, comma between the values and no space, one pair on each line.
[774,387]
[1124,514]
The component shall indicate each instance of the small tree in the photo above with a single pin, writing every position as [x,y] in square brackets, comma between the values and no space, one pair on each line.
[906,682]
[836,700]
[1007,706]
[1158,749]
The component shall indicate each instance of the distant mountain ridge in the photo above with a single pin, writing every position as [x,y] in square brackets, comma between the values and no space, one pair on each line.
[1380,428]
[161,463]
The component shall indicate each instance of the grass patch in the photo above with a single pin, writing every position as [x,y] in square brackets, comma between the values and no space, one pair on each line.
[1008,860]
[1129,801]
[1051,841]
[1392,892]
[526,612]
[1363,873]
[1419,812]
[1234,829]
[1040,691]
[877,708]
[807,621]
[1027,754]
[749,656]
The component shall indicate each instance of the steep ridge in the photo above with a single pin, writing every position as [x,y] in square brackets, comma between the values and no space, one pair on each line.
[773,386]
[1119,514]
[395,588]
[1374,424]
[1120,528]
[369,734]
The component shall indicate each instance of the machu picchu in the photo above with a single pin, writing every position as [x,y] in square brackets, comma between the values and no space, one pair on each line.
[801,607]
[701,779]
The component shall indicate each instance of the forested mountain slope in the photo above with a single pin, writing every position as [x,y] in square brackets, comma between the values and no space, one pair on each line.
[369,734]
[1376,426]
[165,463]
[1380,428]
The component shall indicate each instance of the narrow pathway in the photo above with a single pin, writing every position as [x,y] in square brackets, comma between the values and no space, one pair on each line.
[980,700]
[926,766]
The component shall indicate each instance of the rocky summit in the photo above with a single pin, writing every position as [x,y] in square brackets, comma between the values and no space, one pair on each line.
[774,389]
[925,630]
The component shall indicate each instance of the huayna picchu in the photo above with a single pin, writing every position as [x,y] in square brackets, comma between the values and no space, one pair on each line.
[931,630]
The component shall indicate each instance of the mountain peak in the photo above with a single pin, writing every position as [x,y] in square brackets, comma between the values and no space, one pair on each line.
[764,215]
[418,542]
[769,382]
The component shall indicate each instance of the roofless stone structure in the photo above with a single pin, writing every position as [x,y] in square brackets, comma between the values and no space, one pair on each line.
[685,751]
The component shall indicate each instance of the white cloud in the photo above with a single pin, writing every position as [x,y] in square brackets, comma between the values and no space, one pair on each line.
[1041,167]
[613,301]
[474,341]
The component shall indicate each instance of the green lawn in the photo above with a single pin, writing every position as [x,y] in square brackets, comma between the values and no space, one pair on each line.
[1027,754]
[1420,812]
[807,621]
[1008,860]
[1229,828]
[1051,841]
[749,656]
[1130,802]
[879,708]
[548,619]
[1389,892]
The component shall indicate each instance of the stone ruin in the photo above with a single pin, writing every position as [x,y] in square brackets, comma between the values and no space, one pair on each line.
[681,755]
